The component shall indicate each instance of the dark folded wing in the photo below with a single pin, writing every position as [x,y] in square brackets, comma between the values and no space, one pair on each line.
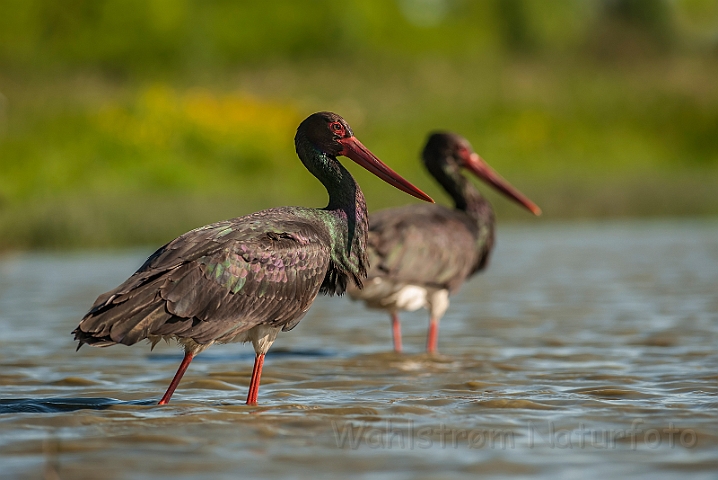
[422,244]
[216,281]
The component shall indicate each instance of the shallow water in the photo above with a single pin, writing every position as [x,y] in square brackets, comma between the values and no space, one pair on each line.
[584,350]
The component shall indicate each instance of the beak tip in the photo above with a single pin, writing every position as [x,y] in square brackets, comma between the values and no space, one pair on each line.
[422,196]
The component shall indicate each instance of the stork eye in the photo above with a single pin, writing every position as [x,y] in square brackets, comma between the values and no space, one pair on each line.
[337,127]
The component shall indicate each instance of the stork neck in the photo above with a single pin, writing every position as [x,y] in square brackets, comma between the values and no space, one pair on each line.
[465,195]
[344,192]
[468,199]
[347,214]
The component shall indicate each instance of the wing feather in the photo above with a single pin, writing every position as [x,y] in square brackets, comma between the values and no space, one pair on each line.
[216,281]
[427,245]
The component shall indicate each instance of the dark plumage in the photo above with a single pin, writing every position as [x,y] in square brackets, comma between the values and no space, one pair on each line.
[247,278]
[420,254]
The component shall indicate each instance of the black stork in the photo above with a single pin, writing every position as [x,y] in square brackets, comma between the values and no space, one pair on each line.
[245,279]
[420,254]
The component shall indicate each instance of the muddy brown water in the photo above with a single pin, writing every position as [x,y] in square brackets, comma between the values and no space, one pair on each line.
[585,350]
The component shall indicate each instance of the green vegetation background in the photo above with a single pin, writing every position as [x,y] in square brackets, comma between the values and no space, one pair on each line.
[129,122]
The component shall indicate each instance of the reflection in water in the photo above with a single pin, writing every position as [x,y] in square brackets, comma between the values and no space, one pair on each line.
[582,346]
[62,404]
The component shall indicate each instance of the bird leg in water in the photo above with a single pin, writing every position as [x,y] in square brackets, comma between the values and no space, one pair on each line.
[254,382]
[433,338]
[396,331]
[438,303]
[188,356]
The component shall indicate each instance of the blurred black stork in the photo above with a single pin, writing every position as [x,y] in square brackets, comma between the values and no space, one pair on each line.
[420,254]
[245,279]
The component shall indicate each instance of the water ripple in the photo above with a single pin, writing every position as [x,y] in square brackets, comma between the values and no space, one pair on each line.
[587,347]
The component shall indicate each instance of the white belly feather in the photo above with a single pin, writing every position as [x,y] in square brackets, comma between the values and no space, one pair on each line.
[385,294]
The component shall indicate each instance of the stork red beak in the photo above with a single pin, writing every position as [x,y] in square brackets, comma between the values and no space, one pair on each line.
[354,149]
[482,170]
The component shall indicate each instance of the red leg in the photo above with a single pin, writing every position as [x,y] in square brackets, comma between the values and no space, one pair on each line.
[254,382]
[188,356]
[433,338]
[396,331]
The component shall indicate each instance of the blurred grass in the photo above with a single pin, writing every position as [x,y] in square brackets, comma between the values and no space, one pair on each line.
[102,150]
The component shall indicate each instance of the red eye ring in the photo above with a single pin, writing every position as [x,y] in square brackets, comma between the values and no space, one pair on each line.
[336,126]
